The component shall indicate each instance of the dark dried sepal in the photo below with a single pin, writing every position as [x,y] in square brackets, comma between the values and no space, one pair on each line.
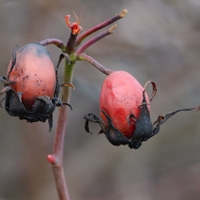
[113,135]
[91,117]
[58,103]
[143,127]
[6,82]
[162,119]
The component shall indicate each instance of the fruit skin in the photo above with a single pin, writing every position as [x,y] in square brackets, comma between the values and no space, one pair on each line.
[31,86]
[120,97]
[33,73]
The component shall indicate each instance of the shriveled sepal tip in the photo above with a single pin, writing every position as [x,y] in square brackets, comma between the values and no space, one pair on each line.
[64,84]
[75,27]
[154,89]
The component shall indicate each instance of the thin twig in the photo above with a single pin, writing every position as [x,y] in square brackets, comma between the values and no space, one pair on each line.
[58,170]
[100,26]
[95,39]
[55,41]
[96,64]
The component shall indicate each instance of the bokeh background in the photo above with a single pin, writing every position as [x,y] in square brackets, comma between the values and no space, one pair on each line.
[158,40]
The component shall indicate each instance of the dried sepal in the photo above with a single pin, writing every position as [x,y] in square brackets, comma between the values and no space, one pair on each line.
[75,28]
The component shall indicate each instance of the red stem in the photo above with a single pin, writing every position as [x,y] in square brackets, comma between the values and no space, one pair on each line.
[55,41]
[100,26]
[95,39]
[96,64]
[57,165]
[56,159]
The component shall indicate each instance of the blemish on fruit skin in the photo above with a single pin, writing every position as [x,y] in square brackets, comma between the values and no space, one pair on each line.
[25,78]
[30,60]
[37,83]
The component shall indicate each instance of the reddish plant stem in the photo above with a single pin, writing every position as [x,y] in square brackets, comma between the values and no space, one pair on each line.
[96,64]
[59,136]
[55,41]
[56,159]
[70,43]
[100,26]
[95,39]
[57,166]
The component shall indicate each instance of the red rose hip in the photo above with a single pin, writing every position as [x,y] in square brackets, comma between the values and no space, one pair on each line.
[121,96]
[125,112]
[33,74]
[31,85]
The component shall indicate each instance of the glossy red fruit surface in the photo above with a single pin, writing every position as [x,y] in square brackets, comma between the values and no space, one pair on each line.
[33,74]
[121,95]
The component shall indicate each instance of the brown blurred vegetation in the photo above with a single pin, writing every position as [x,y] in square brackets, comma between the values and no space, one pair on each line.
[158,40]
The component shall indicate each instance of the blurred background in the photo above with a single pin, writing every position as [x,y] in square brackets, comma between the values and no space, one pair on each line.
[158,40]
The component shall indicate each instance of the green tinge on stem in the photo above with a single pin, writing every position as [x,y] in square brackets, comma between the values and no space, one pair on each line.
[60,134]
[62,118]
[68,76]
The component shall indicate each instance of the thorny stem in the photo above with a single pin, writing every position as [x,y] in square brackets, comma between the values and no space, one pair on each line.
[100,26]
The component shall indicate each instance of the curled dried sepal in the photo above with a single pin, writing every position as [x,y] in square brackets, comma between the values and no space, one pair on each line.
[154,89]
[4,90]
[144,128]
[112,134]
[163,118]
[75,28]
[64,84]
